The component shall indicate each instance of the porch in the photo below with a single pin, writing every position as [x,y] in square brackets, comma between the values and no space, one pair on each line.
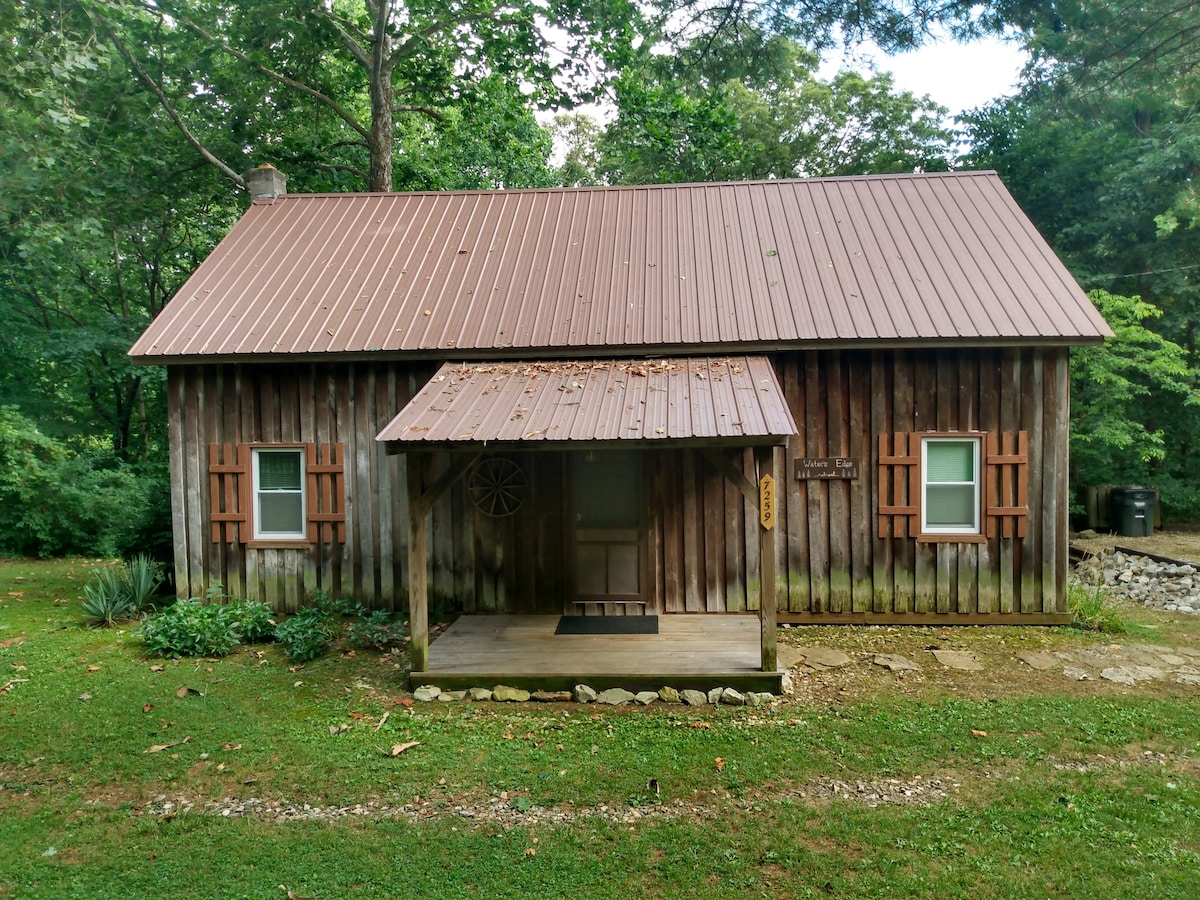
[698,651]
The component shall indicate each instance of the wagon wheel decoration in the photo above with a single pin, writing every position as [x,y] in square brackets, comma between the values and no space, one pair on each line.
[497,486]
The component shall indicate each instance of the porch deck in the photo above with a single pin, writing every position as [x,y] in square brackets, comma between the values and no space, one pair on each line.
[690,651]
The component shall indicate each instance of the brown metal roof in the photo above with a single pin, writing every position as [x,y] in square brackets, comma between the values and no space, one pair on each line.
[735,401]
[663,268]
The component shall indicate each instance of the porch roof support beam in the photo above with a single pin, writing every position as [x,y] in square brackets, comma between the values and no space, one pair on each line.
[420,502]
[764,459]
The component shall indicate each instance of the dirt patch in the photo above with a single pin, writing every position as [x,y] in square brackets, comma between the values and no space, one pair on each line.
[1181,543]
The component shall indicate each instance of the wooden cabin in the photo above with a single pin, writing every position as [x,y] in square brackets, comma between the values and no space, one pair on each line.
[834,400]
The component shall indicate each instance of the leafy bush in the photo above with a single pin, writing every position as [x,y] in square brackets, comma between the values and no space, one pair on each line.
[55,501]
[191,628]
[308,633]
[105,599]
[254,619]
[377,630]
[1091,610]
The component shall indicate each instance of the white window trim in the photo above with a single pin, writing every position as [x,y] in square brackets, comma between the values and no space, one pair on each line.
[259,534]
[977,442]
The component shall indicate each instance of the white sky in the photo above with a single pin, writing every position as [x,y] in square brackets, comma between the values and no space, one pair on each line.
[960,77]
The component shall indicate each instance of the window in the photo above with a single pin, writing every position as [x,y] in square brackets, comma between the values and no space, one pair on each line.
[279,494]
[950,485]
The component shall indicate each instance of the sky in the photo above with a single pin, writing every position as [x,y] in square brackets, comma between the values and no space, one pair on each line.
[960,77]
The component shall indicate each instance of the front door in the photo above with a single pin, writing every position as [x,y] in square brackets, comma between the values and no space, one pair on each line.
[607,499]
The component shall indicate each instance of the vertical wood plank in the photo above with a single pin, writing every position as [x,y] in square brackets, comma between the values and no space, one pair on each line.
[904,388]
[693,549]
[861,518]
[384,410]
[184,521]
[1062,388]
[1010,420]
[768,600]
[713,487]
[418,589]
[816,417]
[880,390]
[925,416]
[795,493]
[735,560]
[988,591]
[966,591]
[837,425]
[1033,549]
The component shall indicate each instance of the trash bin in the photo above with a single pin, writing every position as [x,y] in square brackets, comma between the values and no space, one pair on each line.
[1133,510]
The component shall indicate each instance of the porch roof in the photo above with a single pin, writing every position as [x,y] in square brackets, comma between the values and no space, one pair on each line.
[727,401]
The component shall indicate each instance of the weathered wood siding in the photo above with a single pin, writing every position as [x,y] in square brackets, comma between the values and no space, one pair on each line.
[701,536]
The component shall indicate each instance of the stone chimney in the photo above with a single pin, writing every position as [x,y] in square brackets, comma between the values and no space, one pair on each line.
[266,183]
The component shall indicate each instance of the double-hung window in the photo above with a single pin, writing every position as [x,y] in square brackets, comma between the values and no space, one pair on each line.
[950,485]
[279,512]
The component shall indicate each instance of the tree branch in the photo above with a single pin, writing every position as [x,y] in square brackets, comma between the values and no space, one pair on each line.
[280,78]
[170,110]
[426,110]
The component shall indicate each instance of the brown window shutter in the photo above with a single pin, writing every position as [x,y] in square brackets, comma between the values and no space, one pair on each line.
[325,490]
[229,492]
[1007,476]
[898,494]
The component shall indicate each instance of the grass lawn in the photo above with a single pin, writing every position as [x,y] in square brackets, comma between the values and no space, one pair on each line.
[117,771]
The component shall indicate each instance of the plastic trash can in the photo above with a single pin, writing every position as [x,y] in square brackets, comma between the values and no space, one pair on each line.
[1133,510]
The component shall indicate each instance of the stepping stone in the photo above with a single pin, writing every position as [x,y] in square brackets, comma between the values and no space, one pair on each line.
[1187,678]
[1035,659]
[958,659]
[1131,674]
[789,656]
[427,692]
[504,693]
[895,662]
[824,657]
[614,696]
[1077,674]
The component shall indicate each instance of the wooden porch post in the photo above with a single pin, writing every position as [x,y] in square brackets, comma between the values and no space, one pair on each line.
[764,458]
[418,576]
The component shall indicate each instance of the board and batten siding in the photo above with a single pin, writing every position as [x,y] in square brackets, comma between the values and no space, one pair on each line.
[701,536]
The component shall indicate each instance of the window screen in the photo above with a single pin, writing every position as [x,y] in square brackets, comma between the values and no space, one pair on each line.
[279,493]
[951,483]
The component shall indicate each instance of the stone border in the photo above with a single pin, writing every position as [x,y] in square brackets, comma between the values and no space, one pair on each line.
[502,693]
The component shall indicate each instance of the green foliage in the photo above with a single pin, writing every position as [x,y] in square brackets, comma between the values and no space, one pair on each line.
[711,116]
[307,634]
[190,628]
[1125,394]
[377,630]
[105,599]
[55,501]
[1091,610]
[254,620]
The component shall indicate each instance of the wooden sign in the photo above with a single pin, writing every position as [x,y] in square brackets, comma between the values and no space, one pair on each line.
[766,502]
[833,467]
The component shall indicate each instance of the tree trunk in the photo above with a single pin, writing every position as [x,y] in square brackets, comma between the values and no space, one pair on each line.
[383,99]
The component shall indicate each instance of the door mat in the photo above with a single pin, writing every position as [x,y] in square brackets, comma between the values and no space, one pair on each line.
[607,625]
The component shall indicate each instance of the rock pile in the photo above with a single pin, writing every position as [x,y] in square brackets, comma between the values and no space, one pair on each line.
[1142,580]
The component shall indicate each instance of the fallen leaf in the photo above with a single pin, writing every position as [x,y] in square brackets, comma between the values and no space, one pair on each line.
[231,747]
[85,697]
[560,746]
[355,715]
[705,725]
[220,767]
[11,642]
[147,707]
[185,690]
[349,654]
[159,748]
[531,851]
[298,683]
[397,749]
[978,733]
[338,729]
[156,668]
[92,669]
[4,690]
[720,764]
[382,720]
[404,701]
[507,736]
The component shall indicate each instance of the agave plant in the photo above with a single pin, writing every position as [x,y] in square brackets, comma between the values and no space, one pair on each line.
[142,579]
[106,598]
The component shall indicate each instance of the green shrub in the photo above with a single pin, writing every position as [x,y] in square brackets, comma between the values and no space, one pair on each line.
[255,620]
[307,634]
[375,630]
[191,628]
[106,599]
[1091,610]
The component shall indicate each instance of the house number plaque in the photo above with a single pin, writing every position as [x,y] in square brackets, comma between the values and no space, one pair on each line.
[766,502]
[833,467]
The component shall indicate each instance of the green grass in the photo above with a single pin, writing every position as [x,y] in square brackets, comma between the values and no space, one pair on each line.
[1054,795]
